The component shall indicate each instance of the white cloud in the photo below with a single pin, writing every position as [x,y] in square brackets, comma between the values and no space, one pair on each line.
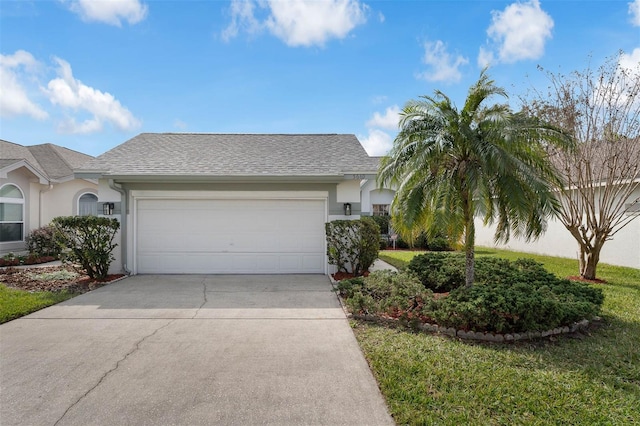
[297,22]
[377,143]
[520,31]
[485,57]
[72,94]
[242,18]
[630,65]
[14,99]
[443,66]
[631,62]
[378,99]
[179,124]
[634,11]
[388,120]
[112,12]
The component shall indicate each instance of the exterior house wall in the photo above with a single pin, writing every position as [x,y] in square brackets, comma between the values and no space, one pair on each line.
[22,178]
[371,195]
[44,202]
[622,250]
[62,199]
[335,209]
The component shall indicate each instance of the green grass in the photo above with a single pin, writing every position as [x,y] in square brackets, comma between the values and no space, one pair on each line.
[17,303]
[592,380]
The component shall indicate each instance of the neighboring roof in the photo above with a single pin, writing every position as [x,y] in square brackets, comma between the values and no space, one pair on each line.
[235,155]
[53,161]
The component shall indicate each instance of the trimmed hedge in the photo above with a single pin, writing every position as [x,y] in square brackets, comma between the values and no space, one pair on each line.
[353,245]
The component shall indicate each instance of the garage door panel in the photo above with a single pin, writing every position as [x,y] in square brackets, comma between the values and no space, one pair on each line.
[230,236]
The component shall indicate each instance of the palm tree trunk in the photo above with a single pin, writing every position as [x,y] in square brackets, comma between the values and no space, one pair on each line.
[469,244]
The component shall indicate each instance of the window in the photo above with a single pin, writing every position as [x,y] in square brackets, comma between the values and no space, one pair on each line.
[11,214]
[88,205]
[380,210]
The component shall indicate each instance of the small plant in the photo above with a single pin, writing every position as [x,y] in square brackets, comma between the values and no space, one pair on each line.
[11,259]
[54,276]
[41,242]
[395,294]
[353,245]
[88,242]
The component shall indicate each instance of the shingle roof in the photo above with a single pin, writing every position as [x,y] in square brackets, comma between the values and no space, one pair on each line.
[189,154]
[51,160]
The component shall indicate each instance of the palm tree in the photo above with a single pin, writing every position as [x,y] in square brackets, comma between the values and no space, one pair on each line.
[449,166]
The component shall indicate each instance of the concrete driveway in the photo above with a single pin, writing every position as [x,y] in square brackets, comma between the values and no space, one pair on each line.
[189,350]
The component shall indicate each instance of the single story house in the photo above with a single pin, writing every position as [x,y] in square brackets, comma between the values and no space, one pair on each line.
[37,183]
[228,203]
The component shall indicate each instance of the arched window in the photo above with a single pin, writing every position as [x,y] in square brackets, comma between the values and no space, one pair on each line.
[11,214]
[88,205]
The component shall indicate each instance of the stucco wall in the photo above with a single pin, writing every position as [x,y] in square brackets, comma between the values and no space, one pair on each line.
[335,208]
[622,250]
[22,179]
[62,199]
[43,203]
[372,195]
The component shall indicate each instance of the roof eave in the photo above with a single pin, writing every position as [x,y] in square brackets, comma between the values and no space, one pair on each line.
[217,178]
[42,179]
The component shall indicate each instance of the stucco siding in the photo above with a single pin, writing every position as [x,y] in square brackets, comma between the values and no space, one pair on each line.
[22,179]
[622,250]
[62,199]
[335,209]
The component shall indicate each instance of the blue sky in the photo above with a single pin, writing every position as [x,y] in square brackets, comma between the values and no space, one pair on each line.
[89,75]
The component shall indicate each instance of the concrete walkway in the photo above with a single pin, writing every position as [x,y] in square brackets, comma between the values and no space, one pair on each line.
[189,350]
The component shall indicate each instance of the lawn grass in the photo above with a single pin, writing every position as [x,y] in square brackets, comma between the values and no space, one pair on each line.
[16,303]
[593,379]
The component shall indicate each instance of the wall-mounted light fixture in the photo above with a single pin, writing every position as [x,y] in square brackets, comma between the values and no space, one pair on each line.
[347,209]
[107,209]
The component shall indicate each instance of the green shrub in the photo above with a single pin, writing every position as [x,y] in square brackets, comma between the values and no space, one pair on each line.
[438,243]
[383,223]
[517,307]
[41,242]
[439,272]
[395,294]
[353,245]
[87,241]
[508,297]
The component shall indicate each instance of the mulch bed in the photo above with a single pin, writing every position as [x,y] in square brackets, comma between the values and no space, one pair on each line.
[584,280]
[22,279]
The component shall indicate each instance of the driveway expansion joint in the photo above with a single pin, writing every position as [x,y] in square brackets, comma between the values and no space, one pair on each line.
[135,348]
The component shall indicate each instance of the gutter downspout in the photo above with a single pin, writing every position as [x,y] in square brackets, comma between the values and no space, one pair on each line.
[123,222]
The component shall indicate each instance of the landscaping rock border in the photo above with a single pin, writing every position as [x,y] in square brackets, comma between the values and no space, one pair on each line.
[463,334]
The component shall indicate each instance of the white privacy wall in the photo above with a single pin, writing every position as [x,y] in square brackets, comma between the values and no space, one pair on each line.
[622,250]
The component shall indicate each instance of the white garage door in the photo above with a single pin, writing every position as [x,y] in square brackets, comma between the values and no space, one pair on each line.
[230,236]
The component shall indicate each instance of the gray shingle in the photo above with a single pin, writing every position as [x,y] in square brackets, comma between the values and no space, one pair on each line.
[189,154]
[51,160]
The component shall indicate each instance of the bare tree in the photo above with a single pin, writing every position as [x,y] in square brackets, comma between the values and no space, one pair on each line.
[600,108]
